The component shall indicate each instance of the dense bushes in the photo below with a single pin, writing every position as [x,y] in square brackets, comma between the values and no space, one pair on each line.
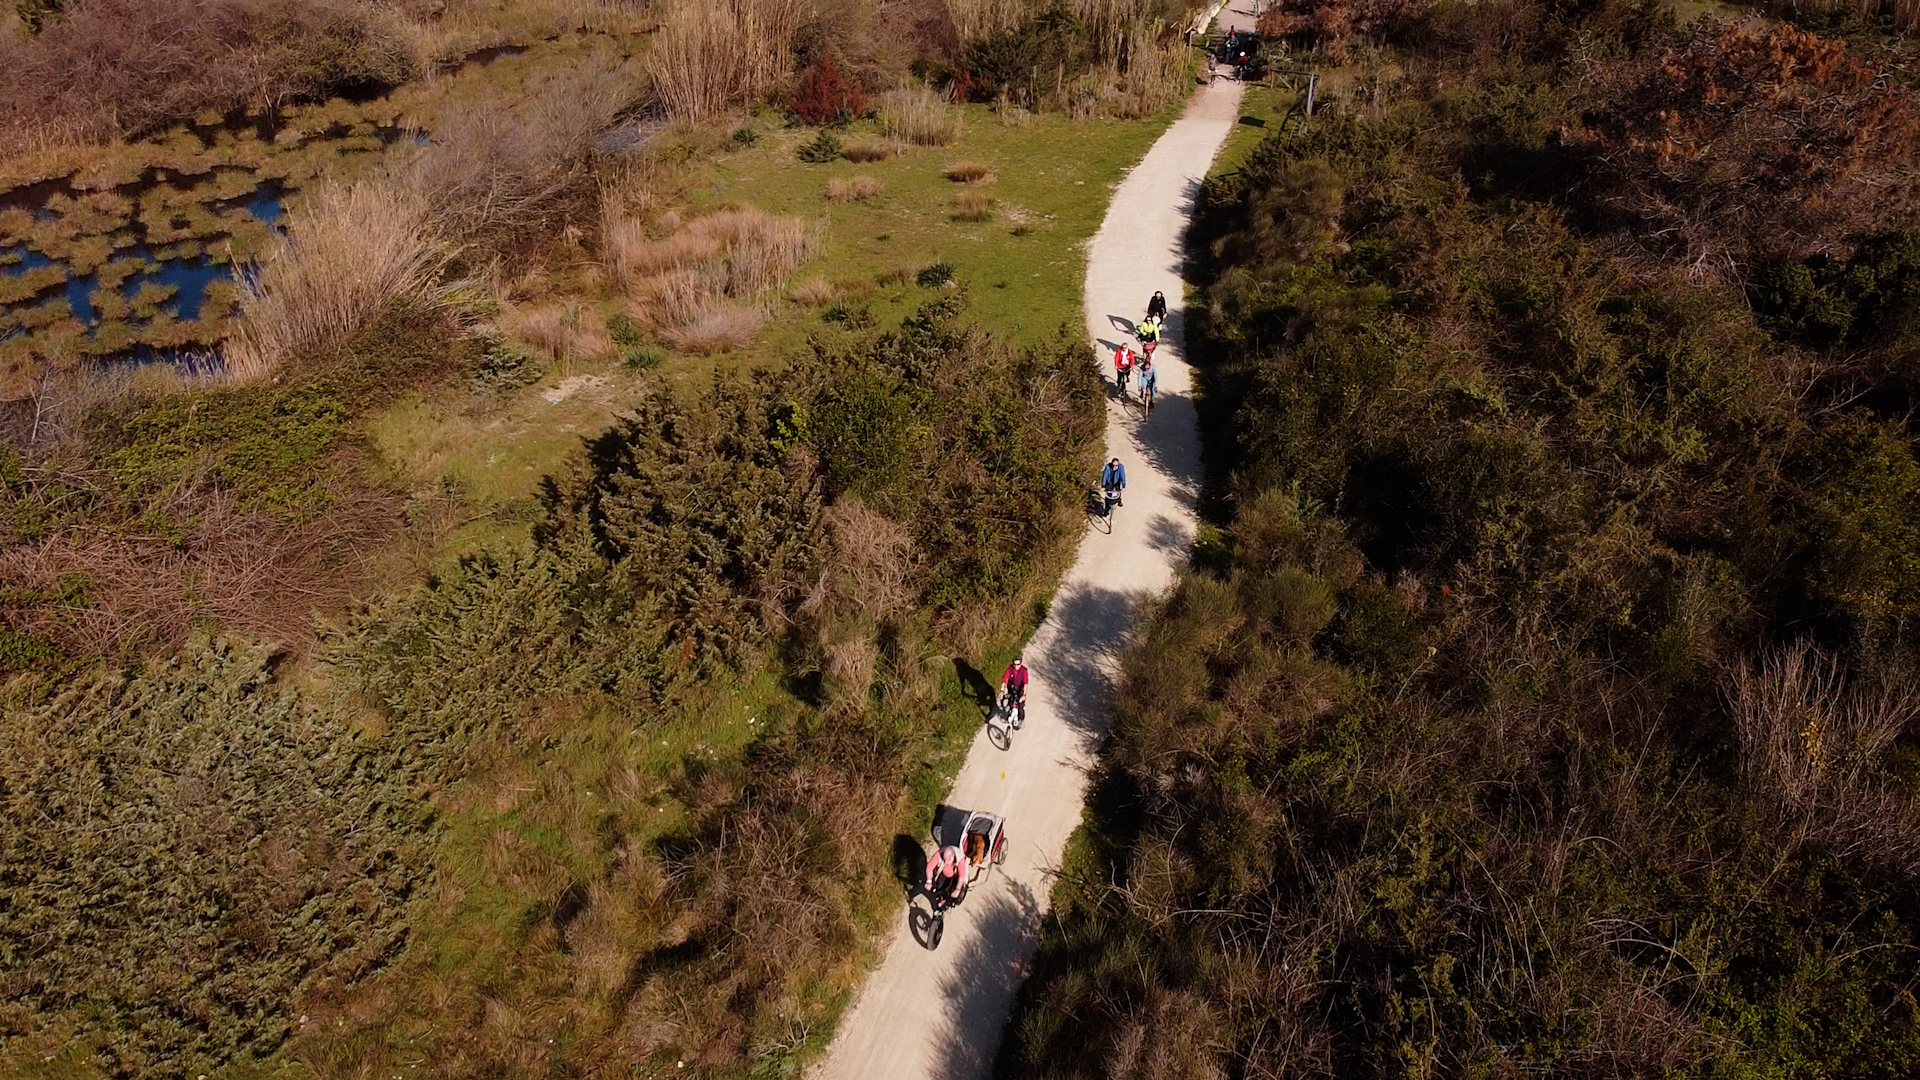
[187,852]
[746,536]
[1547,705]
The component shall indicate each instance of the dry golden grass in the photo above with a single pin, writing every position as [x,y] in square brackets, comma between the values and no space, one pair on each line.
[718,328]
[812,292]
[970,172]
[697,287]
[972,206]
[353,252]
[857,189]
[865,150]
[563,331]
[920,116]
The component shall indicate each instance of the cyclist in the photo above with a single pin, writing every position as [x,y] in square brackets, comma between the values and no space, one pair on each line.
[1113,481]
[1122,367]
[1157,307]
[1149,384]
[947,866]
[1149,335]
[1013,690]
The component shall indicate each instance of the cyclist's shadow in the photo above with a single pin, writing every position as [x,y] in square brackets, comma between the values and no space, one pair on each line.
[975,685]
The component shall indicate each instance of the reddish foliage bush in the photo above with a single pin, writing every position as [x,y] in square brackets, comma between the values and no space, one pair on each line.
[1315,24]
[1764,131]
[825,95]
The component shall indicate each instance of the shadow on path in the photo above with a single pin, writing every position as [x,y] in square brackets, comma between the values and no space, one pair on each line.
[1090,637]
[979,993]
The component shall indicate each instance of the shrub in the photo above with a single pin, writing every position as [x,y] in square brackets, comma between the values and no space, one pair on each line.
[821,149]
[356,251]
[970,172]
[744,135]
[825,96]
[494,171]
[504,366]
[935,276]
[920,116]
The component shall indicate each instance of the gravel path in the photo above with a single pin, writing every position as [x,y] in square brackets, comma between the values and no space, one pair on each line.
[938,1015]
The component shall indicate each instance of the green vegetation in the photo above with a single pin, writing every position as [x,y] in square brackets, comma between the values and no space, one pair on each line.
[1543,698]
[527,669]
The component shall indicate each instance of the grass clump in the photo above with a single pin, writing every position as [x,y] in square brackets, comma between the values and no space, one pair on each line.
[970,172]
[935,276]
[856,189]
[866,150]
[972,206]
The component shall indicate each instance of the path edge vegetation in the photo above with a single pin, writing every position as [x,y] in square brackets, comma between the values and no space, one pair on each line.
[1447,756]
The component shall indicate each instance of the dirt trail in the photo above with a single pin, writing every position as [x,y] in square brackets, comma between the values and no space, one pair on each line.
[938,1015]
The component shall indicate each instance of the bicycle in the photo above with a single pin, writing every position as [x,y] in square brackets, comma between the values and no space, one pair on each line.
[1005,718]
[1099,511]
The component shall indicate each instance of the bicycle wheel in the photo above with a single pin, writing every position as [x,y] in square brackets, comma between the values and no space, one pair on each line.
[936,927]
[1097,516]
[999,736]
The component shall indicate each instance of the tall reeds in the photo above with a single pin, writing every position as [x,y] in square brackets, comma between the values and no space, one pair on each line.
[708,56]
[355,250]
[919,115]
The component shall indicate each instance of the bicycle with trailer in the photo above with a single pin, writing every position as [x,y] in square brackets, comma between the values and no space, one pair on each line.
[982,840]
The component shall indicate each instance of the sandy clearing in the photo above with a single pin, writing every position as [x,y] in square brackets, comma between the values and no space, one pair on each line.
[939,1015]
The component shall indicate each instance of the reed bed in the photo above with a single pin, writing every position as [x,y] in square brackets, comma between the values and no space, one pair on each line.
[354,251]
[707,57]
[918,115]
